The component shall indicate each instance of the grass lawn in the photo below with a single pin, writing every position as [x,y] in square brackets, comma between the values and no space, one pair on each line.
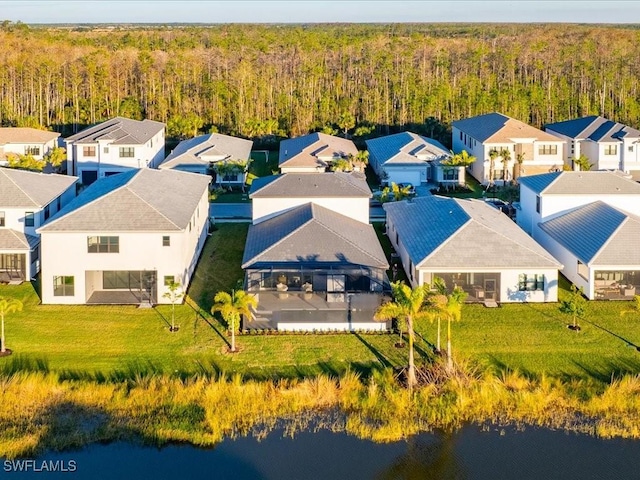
[263,163]
[124,341]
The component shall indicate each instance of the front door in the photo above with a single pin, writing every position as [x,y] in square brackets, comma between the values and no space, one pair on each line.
[490,289]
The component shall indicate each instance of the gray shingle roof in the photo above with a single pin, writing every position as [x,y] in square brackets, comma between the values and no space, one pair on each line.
[597,233]
[312,234]
[138,200]
[593,127]
[121,131]
[23,189]
[304,151]
[581,183]
[192,151]
[404,148]
[25,135]
[324,184]
[498,128]
[440,232]
[14,240]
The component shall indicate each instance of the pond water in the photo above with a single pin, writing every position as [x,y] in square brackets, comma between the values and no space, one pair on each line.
[469,453]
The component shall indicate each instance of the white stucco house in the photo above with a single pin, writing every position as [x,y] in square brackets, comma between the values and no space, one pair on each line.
[539,151]
[113,147]
[124,238]
[471,245]
[26,141]
[311,256]
[27,200]
[313,153]
[201,154]
[410,158]
[607,144]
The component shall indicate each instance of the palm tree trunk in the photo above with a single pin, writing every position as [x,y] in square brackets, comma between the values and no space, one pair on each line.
[233,335]
[411,376]
[2,348]
[438,339]
[449,356]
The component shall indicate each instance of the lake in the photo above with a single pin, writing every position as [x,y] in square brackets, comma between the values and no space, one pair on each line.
[469,453]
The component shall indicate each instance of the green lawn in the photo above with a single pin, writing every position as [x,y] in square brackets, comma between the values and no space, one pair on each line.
[121,342]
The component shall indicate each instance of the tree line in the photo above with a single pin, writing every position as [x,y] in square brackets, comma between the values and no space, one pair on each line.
[270,81]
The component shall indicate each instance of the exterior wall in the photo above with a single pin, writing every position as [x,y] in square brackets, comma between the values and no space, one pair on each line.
[630,159]
[20,148]
[414,175]
[302,169]
[353,207]
[439,176]
[607,161]
[407,263]
[340,326]
[474,148]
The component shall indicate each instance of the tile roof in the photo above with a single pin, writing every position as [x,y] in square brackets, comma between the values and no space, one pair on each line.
[121,131]
[498,128]
[25,135]
[323,184]
[196,150]
[581,183]
[312,234]
[593,127]
[597,234]
[440,232]
[137,200]
[305,151]
[14,240]
[405,148]
[23,189]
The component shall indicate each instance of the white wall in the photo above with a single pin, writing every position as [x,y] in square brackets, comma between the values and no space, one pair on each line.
[405,174]
[340,326]
[20,148]
[630,154]
[353,207]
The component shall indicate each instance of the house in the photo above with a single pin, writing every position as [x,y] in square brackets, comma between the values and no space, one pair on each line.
[311,257]
[201,154]
[27,200]
[26,141]
[114,146]
[530,150]
[469,244]
[608,145]
[313,153]
[598,246]
[410,158]
[346,193]
[125,238]
[548,195]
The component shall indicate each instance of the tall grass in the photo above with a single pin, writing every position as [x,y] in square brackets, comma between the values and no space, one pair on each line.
[41,411]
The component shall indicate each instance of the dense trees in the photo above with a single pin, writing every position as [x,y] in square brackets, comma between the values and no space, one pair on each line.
[256,80]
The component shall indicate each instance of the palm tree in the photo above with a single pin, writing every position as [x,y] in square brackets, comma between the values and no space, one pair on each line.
[173,295]
[407,305]
[232,307]
[493,154]
[517,166]
[7,306]
[583,163]
[437,300]
[505,153]
[454,313]
[462,159]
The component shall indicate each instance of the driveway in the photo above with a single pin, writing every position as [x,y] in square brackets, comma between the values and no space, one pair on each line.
[230,212]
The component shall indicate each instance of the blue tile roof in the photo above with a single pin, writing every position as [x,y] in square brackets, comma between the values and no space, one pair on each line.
[538,183]
[572,128]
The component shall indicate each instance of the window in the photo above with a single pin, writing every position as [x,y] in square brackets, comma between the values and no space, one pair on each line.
[611,150]
[58,204]
[88,151]
[29,219]
[460,135]
[166,241]
[537,203]
[583,270]
[547,149]
[105,149]
[450,174]
[2,219]
[47,212]
[531,283]
[630,149]
[103,244]
[32,150]
[127,152]
[232,177]
[168,280]
[63,286]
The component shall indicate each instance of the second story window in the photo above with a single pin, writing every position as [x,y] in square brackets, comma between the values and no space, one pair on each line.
[88,151]
[127,152]
[32,150]
[103,244]
[47,213]
[538,204]
[548,150]
[166,241]
[611,150]
[29,219]
[2,221]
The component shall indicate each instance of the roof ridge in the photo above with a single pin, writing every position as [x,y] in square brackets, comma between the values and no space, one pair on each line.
[552,182]
[20,188]
[595,119]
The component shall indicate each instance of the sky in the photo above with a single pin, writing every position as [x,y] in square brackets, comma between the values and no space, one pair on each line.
[316,11]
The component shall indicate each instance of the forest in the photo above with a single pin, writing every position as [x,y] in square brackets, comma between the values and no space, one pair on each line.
[271,81]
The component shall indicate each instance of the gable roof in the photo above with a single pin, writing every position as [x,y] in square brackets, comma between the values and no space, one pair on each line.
[440,232]
[120,130]
[137,200]
[323,184]
[581,183]
[195,150]
[305,151]
[312,234]
[498,128]
[593,127]
[14,240]
[597,234]
[405,148]
[24,189]
[25,135]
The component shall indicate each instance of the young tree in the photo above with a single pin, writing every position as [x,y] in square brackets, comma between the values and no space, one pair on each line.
[7,306]
[574,305]
[346,121]
[232,307]
[408,305]
[174,294]
[455,300]
[55,157]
